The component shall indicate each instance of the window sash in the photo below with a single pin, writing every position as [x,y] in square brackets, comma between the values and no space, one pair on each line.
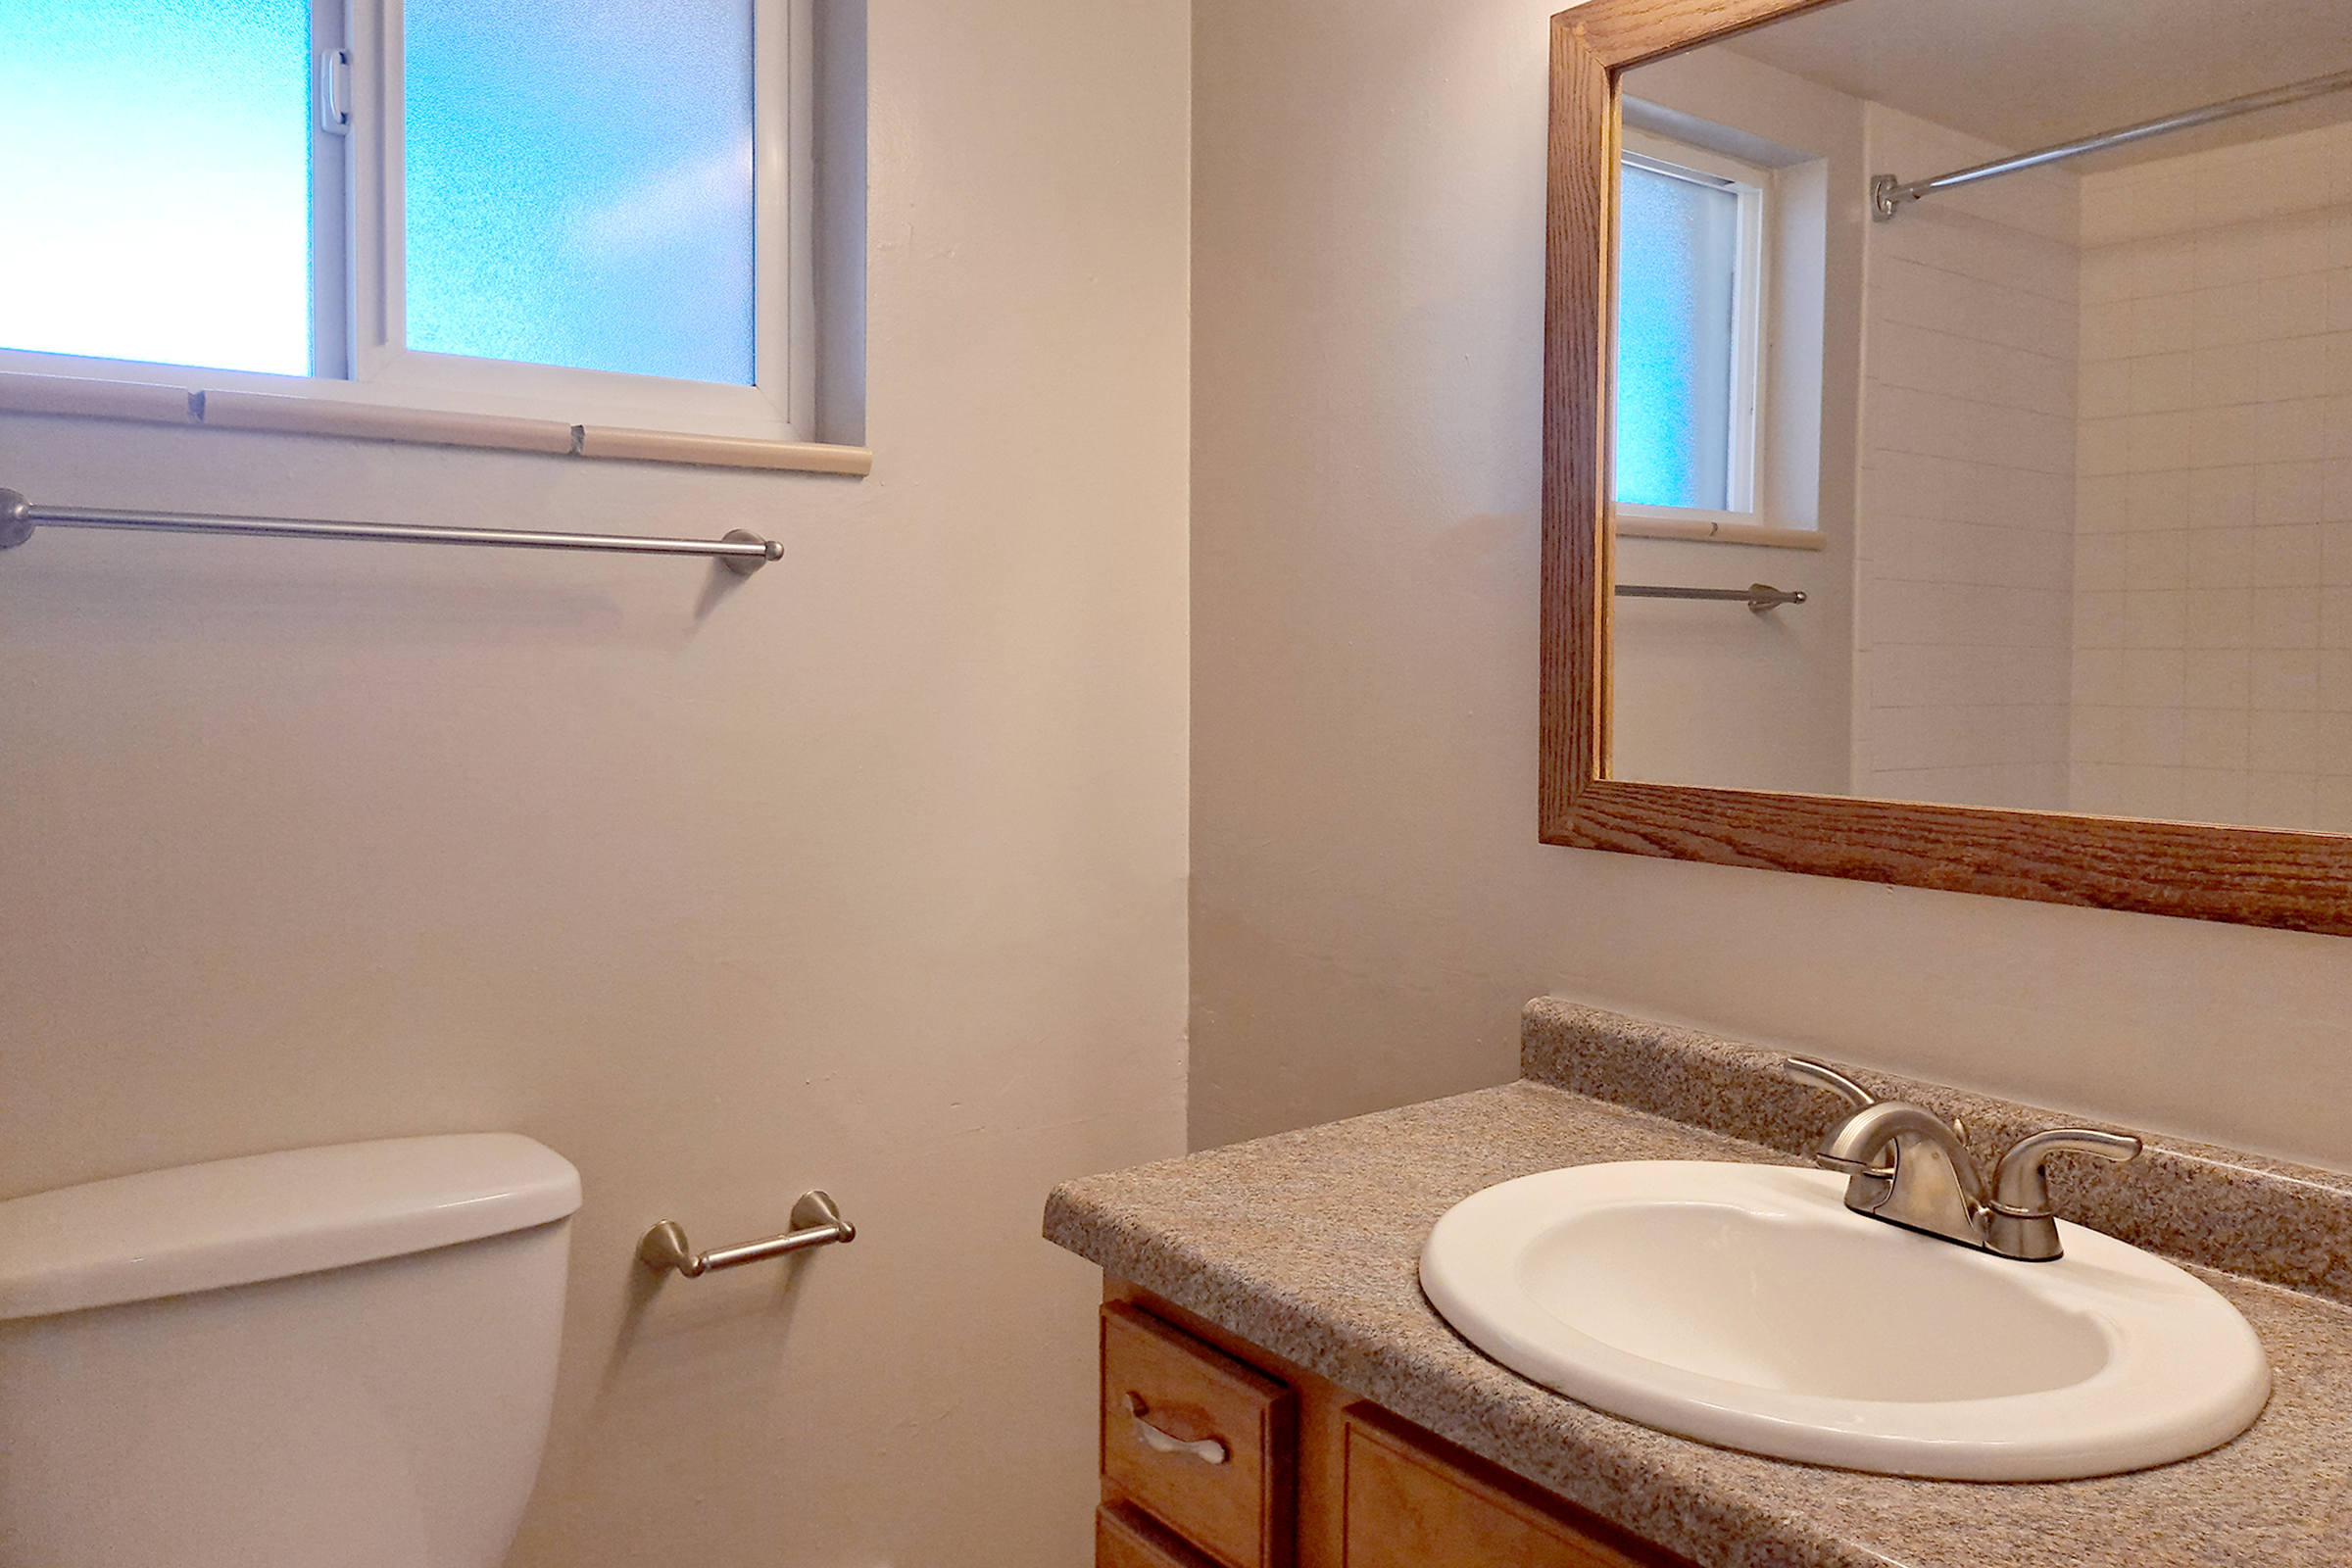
[1743,415]
[359,233]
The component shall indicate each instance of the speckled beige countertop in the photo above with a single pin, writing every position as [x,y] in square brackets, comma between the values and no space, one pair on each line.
[1307,1243]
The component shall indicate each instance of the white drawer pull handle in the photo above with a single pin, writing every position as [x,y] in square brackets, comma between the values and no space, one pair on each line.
[1209,1450]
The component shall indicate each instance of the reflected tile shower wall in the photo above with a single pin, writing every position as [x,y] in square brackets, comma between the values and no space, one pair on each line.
[1968,482]
[2213,627]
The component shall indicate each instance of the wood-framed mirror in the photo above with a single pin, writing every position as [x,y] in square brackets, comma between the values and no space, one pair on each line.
[2049,846]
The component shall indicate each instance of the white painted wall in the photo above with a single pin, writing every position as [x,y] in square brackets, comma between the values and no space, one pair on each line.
[1370,905]
[867,873]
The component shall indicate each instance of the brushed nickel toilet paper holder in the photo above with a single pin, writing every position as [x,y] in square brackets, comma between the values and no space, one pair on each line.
[815,1222]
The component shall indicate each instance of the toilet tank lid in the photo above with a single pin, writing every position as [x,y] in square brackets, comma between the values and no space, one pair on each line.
[269,1216]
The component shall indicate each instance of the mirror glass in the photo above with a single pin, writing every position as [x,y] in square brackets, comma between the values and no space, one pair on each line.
[2059,457]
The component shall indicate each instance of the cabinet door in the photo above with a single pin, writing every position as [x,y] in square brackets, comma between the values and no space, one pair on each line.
[1409,1506]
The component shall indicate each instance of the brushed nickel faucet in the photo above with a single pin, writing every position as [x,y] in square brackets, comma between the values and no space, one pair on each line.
[1908,1167]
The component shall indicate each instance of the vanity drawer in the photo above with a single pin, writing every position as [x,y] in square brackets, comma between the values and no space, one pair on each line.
[1129,1538]
[1162,1388]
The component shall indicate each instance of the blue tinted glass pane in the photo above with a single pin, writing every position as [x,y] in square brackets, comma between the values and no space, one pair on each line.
[160,150]
[579,183]
[1678,252]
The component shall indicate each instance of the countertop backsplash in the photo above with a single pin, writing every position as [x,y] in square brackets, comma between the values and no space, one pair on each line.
[2267,1219]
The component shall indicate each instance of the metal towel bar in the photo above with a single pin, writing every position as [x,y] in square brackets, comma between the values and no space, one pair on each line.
[815,1222]
[1758,597]
[740,551]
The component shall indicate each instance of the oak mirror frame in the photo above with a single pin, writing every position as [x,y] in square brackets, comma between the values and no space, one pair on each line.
[2252,877]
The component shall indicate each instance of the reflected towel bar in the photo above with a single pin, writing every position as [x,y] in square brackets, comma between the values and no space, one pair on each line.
[1758,597]
[815,1222]
[1886,191]
[740,551]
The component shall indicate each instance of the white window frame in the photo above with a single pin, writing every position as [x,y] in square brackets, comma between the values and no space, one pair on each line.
[358,267]
[1750,373]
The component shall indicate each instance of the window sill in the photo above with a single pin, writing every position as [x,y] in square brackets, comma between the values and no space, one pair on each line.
[1702,528]
[21,393]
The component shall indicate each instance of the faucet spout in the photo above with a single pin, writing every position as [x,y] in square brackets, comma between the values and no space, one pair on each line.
[1864,1136]
[1930,1184]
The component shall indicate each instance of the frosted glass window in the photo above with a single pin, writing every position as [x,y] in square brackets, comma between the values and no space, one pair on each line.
[1677,292]
[579,183]
[159,151]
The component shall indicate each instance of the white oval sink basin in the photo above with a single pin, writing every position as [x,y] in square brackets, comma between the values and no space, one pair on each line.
[1745,1306]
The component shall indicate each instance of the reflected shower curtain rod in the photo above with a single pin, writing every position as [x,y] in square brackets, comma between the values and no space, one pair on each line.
[1888,191]
[740,551]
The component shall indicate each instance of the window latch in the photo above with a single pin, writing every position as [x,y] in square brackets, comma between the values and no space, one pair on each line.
[335,92]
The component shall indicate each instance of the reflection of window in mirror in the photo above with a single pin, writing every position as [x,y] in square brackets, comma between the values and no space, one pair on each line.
[1719,341]
[1691,228]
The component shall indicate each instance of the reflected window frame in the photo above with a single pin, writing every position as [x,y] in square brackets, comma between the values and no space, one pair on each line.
[1738,421]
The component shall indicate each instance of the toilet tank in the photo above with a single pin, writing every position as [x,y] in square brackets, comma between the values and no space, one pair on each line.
[337,1358]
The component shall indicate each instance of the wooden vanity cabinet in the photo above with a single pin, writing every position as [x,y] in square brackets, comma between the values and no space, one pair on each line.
[1312,1477]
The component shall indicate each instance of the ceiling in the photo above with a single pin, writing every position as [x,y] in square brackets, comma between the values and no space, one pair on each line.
[2027,74]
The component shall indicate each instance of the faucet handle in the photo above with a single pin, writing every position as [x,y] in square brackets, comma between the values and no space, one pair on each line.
[2023,1188]
[2022,1224]
[1821,1075]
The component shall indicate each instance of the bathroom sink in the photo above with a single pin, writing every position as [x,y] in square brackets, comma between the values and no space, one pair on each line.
[1745,1307]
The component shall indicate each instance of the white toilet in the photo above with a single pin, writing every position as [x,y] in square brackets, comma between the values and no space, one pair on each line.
[335,1357]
